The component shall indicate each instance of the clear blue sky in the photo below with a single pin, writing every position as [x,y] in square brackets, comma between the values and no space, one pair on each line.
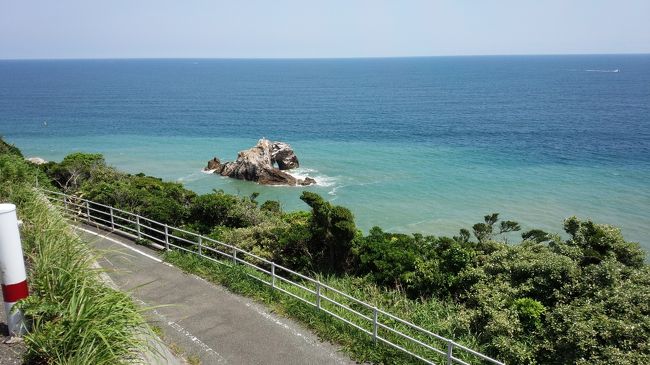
[328,28]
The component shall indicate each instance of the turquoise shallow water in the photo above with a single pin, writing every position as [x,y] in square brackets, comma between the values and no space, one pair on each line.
[411,145]
[407,188]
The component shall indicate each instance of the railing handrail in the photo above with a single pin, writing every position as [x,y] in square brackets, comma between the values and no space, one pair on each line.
[450,344]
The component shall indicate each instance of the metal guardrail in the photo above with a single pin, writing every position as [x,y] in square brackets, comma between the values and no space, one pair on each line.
[382,326]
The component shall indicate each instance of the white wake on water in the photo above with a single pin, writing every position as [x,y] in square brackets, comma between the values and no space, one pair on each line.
[189,178]
[614,70]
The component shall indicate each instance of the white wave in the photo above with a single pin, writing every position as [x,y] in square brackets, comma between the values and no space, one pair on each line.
[189,178]
[321,180]
[614,70]
[299,173]
[334,190]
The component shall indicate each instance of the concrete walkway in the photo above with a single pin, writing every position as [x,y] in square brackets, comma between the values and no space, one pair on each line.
[11,350]
[204,319]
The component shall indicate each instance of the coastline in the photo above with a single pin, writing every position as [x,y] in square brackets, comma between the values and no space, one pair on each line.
[450,194]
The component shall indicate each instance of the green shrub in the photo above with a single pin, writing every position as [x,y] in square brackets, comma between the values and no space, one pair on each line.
[272,206]
[221,209]
[529,312]
[389,258]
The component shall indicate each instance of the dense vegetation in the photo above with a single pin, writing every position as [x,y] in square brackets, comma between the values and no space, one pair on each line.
[74,317]
[543,299]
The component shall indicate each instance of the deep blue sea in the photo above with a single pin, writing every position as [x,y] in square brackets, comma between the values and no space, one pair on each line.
[409,144]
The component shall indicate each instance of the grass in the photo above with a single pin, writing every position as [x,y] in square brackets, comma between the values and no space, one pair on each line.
[193,360]
[175,348]
[440,317]
[73,317]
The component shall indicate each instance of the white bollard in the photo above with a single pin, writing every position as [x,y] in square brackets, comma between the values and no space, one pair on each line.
[12,268]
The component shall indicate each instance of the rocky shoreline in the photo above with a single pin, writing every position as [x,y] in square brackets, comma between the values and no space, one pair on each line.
[259,163]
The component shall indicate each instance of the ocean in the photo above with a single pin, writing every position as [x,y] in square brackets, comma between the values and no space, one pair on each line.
[425,145]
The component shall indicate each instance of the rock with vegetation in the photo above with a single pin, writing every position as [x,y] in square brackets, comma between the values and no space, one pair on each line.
[259,164]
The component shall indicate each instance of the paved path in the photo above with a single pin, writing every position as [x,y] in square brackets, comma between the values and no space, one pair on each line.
[205,319]
[11,351]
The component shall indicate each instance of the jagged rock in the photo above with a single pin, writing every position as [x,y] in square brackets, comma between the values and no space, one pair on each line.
[215,165]
[283,155]
[257,164]
[307,181]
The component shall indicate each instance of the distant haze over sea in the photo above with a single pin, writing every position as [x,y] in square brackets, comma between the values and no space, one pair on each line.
[424,145]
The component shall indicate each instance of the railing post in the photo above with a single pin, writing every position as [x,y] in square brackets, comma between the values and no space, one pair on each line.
[234,255]
[318,294]
[166,237]
[374,324]
[200,244]
[273,275]
[137,224]
[87,211]
[112,220]
[450,349]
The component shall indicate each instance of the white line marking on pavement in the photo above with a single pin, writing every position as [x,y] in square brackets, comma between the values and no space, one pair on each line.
[180,329]
[262,312]
[196,340]
[120,243]
[171,324]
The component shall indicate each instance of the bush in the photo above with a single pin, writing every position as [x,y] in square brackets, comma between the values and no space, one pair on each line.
[150,197]
[221,209]
[389,258]
[272,206]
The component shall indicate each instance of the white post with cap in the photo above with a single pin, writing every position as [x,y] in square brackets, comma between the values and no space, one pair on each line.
[12,268]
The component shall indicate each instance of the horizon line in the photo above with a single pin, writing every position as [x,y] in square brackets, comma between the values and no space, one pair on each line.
[321,58]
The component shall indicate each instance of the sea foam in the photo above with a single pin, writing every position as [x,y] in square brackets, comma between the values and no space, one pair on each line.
[321,180]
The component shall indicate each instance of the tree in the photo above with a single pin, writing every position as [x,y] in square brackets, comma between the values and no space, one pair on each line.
[332,229]
[485,231]
[75,168]
[600,241]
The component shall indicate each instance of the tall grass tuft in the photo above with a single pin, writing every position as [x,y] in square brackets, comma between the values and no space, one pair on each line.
[73,317]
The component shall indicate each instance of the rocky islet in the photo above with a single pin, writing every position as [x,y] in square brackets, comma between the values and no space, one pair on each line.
[259,163]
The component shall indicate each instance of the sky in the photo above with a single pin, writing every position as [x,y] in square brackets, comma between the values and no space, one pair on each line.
[319,29]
